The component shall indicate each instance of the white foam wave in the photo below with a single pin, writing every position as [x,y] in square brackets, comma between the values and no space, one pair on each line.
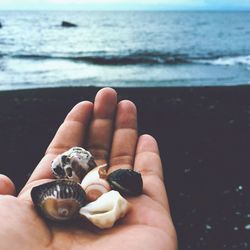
[228,61]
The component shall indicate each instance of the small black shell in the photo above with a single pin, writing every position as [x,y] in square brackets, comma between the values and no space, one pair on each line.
[59,200]
[126,181]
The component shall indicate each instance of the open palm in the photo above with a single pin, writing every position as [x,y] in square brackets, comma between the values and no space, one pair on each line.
[109,131]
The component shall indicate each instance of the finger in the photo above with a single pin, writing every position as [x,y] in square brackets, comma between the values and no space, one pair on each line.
[6,185]
[125,136]
[25,192]
[101,127]
[148,163]
[71,133]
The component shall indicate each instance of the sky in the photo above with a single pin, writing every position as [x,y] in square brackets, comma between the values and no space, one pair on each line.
[125,4]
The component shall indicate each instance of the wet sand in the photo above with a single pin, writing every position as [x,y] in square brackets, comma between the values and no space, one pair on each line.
[204,138]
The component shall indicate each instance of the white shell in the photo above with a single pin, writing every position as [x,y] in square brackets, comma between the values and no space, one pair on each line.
[106,210]
[73,164]
[95,184]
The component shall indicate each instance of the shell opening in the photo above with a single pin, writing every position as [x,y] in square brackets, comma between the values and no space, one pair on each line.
[63,211]
[94,185]
[106,210]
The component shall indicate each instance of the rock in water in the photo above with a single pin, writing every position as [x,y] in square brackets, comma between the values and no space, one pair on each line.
[68,24]
[1,25]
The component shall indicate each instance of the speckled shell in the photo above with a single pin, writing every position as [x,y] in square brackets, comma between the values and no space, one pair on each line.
[59,200]
[126,181]
[73,164]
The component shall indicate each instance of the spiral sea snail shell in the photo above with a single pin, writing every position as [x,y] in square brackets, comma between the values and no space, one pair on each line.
[106,210]
[95,183]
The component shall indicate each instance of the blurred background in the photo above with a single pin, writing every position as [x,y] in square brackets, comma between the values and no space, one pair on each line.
[124,43]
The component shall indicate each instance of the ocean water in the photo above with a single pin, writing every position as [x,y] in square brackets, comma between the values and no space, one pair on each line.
[124,49]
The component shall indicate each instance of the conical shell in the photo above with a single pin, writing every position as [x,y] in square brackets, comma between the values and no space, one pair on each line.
[106,210]
[59,200]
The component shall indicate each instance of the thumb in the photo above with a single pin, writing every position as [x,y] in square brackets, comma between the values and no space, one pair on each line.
[6,185]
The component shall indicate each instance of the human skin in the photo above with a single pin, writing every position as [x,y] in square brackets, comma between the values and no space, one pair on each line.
[109,131]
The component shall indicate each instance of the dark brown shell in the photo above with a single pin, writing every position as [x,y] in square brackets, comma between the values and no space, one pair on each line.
[126,181]
[59,200]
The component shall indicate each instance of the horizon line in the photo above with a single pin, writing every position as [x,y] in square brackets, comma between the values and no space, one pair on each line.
[124,9]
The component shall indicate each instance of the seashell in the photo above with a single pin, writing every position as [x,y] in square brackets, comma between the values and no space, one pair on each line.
[59,200]
[106,210]
[73,164]
[95,183]
[126,181]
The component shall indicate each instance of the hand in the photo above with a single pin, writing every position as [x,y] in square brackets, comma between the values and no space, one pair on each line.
[109,131]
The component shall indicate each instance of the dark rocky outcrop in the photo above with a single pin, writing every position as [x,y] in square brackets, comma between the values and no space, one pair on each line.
[68,24]
[1,25]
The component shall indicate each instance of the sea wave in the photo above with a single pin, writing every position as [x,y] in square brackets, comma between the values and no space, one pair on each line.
[142,58]
[228,60]
[114,59]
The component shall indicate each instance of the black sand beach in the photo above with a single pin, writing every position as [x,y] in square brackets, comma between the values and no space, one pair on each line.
[204,138]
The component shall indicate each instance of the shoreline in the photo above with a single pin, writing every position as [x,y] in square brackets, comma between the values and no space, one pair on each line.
[204,140]
[225,85]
